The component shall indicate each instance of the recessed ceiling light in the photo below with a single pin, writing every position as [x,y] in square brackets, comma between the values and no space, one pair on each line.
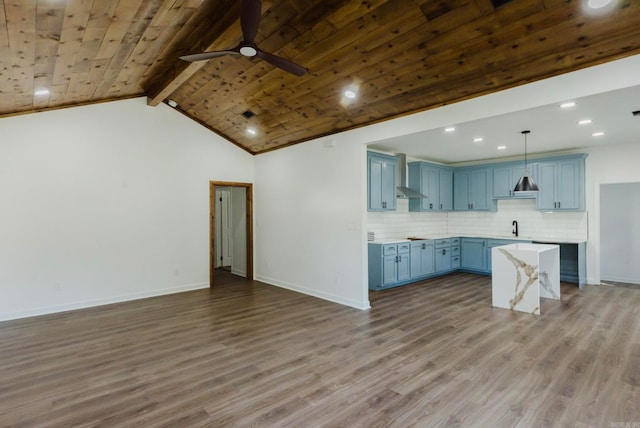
[350,94]
[597,134]
[478,140]
[252,131]
[41,92]
[584,122]
[568,104]
[449,129]
[597,4]
[501,147]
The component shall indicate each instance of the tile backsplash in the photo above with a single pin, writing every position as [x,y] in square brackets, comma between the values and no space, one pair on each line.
[531,222]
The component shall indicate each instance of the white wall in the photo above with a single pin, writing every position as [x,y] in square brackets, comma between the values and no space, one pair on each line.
[606,165]
[105,203]
[310,204]
[620,232]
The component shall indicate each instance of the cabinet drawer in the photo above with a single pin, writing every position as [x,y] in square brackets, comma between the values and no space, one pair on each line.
[455,262]
[404,248]
[442,243]
[390,250]
[455,241]
[455,251]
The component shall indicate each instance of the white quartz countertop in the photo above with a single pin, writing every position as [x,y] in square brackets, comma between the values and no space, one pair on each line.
[525,246]
[537,240]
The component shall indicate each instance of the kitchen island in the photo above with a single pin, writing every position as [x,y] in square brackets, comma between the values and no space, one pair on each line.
[523,273]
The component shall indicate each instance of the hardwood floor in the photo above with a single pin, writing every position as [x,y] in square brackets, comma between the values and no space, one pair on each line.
[248,354]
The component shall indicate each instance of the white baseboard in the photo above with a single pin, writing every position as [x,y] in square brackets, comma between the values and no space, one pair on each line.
[362,305]
[102,301]
[620,279]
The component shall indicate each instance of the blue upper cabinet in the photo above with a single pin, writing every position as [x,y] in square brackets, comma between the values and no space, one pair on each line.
[446,189]
[561,183]
[472,189]
[381,178]
[505,177]
[434,181]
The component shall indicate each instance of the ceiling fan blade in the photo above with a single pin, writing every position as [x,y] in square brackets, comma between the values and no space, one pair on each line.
[282,63]
[250,19]
[206,55]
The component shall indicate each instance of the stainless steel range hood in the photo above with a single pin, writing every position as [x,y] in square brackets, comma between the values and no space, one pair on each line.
[402,190]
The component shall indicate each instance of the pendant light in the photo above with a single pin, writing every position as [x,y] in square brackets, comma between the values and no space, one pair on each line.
[526,183]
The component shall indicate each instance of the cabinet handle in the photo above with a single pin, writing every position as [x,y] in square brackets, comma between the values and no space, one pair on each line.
[384,205]
[440,206]
[430,206]
[399,259]
[558,204]
[424,246]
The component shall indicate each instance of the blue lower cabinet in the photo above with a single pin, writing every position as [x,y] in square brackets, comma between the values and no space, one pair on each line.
[389,265]
[473,254]
[422,259]
[443,256]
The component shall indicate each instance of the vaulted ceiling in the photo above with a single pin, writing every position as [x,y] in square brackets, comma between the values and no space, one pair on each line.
[403,56]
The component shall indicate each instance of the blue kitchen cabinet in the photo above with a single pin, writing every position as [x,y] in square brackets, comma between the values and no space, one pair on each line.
[455,253]
[389,265]
[473,255]
[505,177]
[561,183]
[443,255]
[381,180]
[446,189]
[473,189]
[422,259]
[434,181]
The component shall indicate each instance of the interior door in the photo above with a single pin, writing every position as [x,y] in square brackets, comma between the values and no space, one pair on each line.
[223,233]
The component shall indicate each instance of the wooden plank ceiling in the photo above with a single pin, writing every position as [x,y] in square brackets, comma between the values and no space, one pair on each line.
[403,55]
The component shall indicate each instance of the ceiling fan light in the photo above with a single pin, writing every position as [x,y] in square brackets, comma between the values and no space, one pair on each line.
[248,51]
[597,4]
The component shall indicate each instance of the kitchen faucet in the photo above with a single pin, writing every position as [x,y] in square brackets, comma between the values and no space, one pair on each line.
[515,228]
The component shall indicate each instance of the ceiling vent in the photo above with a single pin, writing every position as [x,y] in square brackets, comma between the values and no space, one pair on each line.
[248,114]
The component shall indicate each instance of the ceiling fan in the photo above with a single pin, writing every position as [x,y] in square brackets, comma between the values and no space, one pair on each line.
[250,21]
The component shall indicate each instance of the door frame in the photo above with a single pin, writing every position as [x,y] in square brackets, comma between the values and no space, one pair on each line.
[249,224]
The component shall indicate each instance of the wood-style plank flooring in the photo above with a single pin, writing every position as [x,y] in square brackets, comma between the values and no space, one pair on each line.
[248,354]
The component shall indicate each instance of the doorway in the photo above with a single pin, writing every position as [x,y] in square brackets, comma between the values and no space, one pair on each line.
[231,228]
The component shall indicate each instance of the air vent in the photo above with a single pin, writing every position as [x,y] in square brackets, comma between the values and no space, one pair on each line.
[248,114]
[499,3]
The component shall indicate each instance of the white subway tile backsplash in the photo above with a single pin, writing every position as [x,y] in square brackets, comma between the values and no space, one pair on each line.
[531,222]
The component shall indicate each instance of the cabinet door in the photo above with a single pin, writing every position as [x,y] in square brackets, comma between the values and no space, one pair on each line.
[422,262]
[567,189]
[432,203]
[502,182]
[446,190]
[473,254]
[443,259]
[389,270]
[479,189]
[546,182]
[404,272]
[382,188]
[461,191]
